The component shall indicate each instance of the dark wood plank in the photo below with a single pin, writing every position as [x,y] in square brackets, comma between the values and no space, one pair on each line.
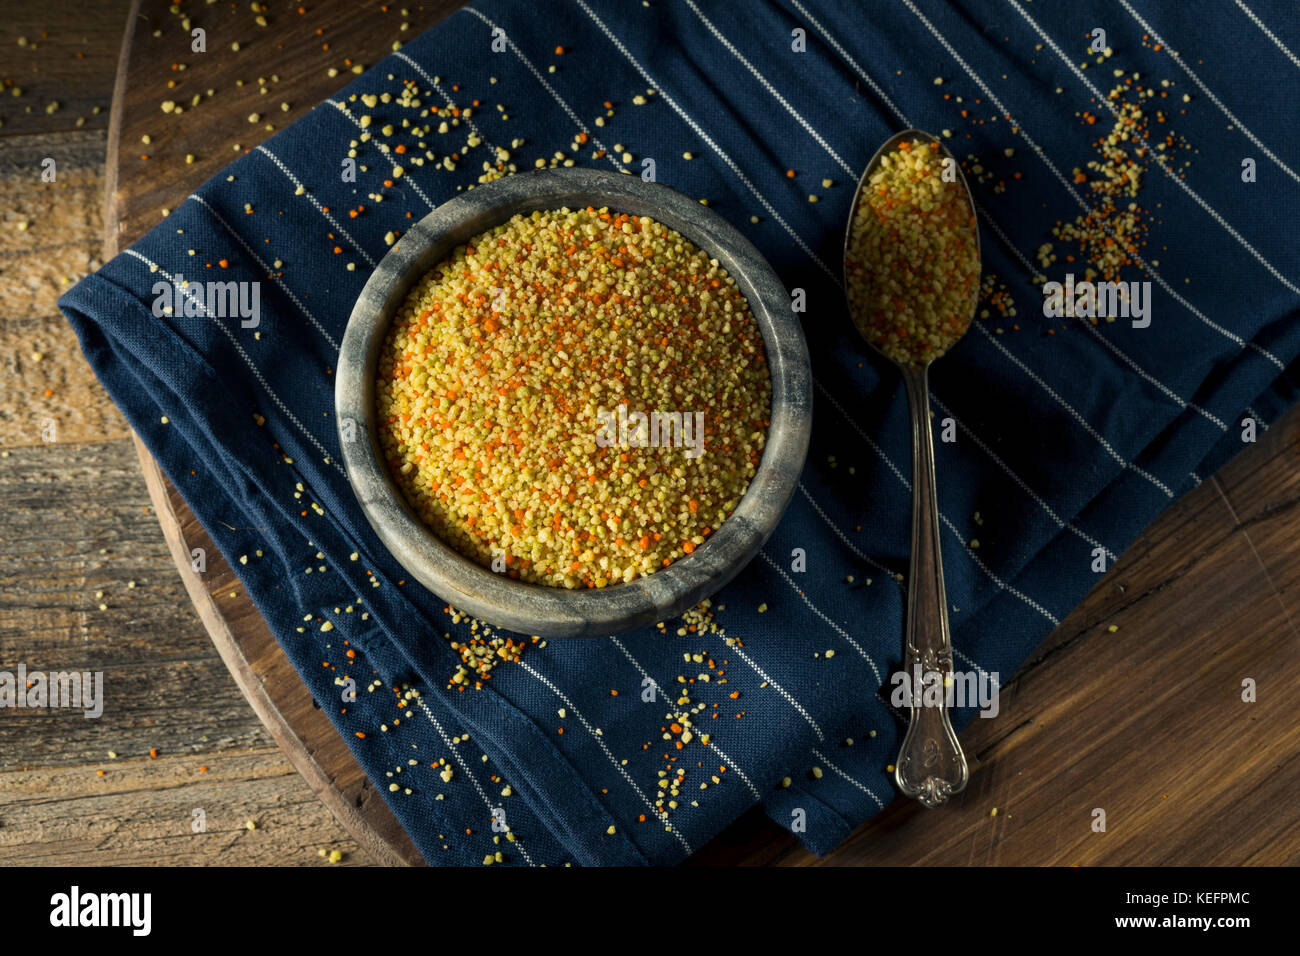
[142,188]
[142,813]
[57,566]
[270,684]
[1145,722]
[75,521]
[67,56]
[291,57]
[76,532]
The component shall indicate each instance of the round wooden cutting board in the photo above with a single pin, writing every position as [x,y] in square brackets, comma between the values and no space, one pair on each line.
[1201,599]
[137,190]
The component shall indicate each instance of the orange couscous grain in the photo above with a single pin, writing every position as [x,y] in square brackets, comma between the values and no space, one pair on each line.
[912,267]
[506,369]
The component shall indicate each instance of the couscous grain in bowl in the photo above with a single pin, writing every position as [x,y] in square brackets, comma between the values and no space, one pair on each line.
[575,398]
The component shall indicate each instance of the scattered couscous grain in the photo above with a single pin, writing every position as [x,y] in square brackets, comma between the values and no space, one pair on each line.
[913,266]
[512,377]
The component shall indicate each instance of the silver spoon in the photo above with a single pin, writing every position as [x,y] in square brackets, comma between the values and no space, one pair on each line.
[931,766]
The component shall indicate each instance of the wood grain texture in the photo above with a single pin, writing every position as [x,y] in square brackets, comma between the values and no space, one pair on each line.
[290,58]
[1146,722]
[142,189]
[165,688]
[64,61]
[75,521]
[50,236]
[270,684]
[142,812]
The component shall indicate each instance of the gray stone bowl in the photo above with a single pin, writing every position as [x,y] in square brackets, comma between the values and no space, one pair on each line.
[538,609]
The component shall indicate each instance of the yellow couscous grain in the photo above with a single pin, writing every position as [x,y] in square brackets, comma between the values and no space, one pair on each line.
[506,368]
[913,263]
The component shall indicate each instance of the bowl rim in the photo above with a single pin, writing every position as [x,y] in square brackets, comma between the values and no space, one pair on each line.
[539,609]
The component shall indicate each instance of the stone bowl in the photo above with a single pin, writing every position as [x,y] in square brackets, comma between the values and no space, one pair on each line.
[538,609]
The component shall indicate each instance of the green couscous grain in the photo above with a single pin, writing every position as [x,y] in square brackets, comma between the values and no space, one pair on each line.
[913,267]
[503,372]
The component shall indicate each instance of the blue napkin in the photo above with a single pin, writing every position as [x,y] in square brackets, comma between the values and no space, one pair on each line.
[1069,437]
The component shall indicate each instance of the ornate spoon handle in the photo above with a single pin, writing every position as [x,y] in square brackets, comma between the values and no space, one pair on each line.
[931,766]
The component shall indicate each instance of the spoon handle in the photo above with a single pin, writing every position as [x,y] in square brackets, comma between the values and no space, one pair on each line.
[931,766]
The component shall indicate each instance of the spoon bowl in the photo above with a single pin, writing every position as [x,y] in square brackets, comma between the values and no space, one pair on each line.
[889,146]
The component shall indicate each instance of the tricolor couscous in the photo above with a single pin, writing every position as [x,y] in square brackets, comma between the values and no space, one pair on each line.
[913,268]
[507,366]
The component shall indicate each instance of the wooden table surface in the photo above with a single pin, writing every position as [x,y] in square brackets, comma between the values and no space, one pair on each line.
[1146,721]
